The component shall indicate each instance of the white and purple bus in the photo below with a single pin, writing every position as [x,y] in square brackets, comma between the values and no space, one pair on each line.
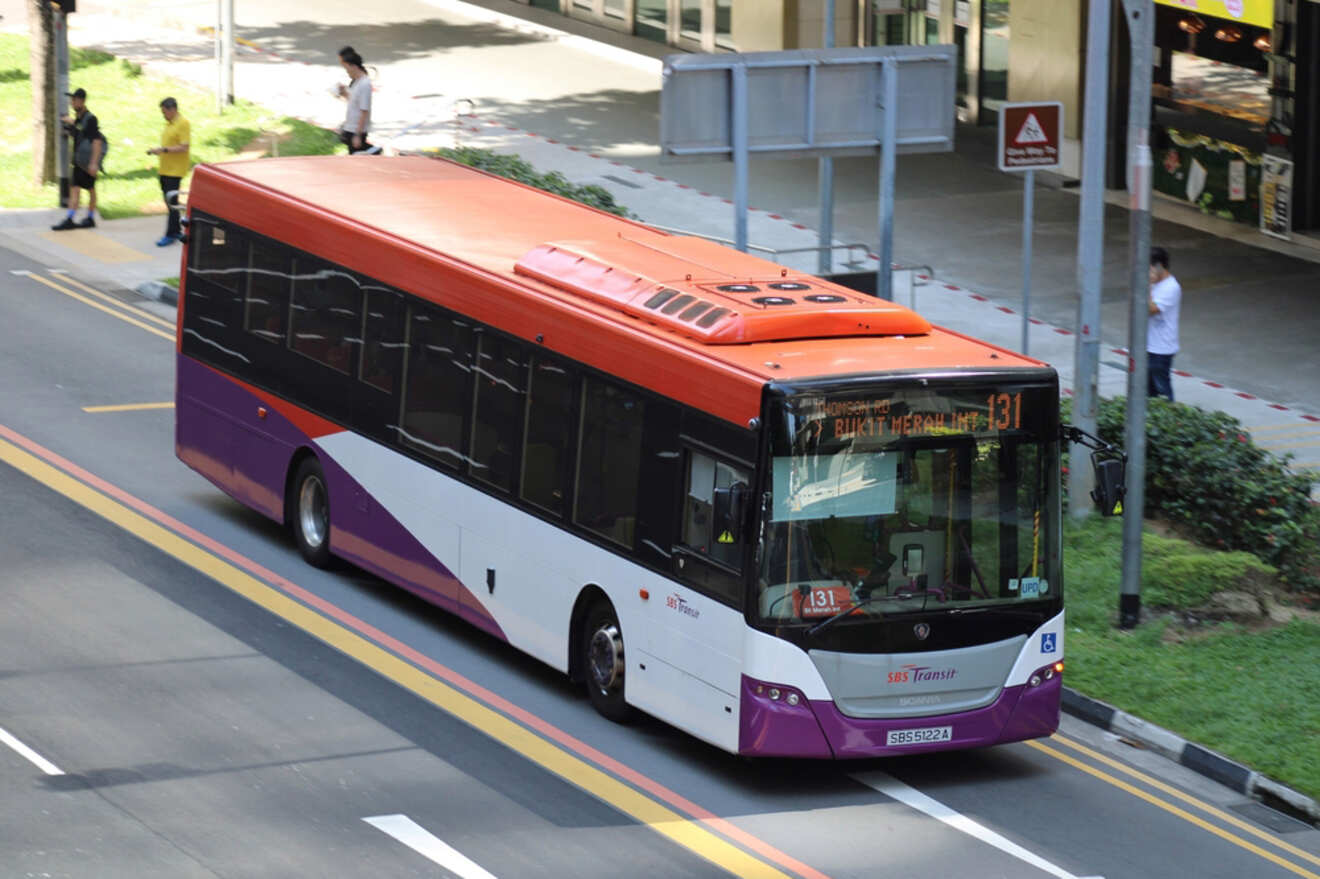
[785,517]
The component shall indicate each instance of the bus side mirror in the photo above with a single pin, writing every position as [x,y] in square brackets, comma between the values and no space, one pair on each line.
[1110,485]
[730,512]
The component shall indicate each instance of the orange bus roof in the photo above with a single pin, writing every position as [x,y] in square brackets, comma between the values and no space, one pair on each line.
[696,321]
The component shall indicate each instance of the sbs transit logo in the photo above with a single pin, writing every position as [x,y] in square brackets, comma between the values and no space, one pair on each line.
[921,674]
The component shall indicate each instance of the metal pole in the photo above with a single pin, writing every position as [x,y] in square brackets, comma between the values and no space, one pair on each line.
[61,23]
[884,273]
[825,173]
[219,59]
[1028,205]
[227,53]
[1090,253]
[740,157]
[1141,25]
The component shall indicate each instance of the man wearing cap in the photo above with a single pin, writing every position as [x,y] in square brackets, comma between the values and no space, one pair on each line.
[88,149]
[175,140]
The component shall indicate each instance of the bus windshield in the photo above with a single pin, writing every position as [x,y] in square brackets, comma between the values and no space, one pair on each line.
[892,500]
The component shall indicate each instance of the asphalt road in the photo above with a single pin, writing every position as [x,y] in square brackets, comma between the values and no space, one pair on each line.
[211,706]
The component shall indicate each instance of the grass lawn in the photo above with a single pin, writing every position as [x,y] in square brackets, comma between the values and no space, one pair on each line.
[1251,693]
[126,102]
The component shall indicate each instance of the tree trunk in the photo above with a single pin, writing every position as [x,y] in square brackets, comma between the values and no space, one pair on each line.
[41,60]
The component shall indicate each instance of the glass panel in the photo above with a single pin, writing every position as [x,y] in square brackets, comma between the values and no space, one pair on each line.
[501,400]
[907,500]
[616,8]
[546,4]
[550,439]
[269,280]
[994,54]
[708,528]
[610,461]
[651,20]
[690,18]
[438,389]
[219,255]
[724,24]
[383,339]
[326,314]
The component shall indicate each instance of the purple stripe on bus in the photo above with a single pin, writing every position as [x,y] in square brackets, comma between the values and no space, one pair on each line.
[770,729]
[222,439]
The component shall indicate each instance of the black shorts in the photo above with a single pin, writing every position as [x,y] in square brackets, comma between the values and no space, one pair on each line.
[82,179]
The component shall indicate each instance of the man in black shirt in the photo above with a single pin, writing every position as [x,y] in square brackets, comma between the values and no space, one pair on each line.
[88,149]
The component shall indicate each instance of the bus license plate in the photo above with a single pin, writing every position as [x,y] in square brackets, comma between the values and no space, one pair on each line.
[919,736]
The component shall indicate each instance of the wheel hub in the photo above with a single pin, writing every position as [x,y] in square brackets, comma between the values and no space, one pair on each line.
[606,658]
[312,512]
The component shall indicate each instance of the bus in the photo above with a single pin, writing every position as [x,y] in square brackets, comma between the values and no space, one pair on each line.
[783,516]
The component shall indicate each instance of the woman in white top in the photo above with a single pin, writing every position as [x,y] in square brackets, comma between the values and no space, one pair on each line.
[357,120]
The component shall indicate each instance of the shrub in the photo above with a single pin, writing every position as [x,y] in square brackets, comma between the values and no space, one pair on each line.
[516,168]
[1182,576]
[1204,473]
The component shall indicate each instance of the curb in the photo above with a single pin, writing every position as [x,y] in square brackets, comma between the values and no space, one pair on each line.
[1200,760]
[159,291]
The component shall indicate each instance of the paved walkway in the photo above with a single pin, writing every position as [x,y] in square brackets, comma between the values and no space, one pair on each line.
[595,119]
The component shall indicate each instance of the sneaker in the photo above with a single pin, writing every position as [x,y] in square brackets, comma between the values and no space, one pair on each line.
[66,223]
[372,150]
[166,240]
[86,223]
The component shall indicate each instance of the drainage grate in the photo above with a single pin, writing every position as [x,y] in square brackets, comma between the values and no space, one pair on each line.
[622,182]
[1271,818]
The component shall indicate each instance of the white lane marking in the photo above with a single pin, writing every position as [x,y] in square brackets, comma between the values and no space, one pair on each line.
[910,796]
[41,762]
[413,835]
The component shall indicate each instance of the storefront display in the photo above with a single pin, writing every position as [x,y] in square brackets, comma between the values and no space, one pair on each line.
[1222,179]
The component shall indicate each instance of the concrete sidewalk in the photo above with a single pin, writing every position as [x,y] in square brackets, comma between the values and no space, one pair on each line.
[451,72]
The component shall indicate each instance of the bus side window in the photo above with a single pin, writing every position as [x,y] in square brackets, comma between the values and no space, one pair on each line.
[716,494]
[326,315]
[609,461]
[549,436]
[270,277]
[382,339]
[437,390]
[500,408]
[212,313]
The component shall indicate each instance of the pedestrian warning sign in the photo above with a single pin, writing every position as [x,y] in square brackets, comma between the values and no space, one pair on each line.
[1029,136]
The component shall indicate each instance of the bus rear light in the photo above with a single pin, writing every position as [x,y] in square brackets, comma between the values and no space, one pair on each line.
[1048,673]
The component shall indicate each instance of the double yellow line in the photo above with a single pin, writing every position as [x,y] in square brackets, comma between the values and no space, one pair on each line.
[1169,790]
[137,317]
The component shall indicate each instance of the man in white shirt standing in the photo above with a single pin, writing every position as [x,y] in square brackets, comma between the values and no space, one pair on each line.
[1162,325]
[357,120]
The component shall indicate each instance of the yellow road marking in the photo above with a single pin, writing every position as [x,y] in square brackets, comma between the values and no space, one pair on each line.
[95,245]
[110,311]
[1174,810]
[1291,425]
[128,407]
[1288,445]
[130,307]
[610,790]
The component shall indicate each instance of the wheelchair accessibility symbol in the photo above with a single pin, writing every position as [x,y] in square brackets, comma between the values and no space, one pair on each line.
[1049,642]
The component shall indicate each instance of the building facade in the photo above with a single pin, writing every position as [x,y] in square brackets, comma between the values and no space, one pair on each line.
[1235,84]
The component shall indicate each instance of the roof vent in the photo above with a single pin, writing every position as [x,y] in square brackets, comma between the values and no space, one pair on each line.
[670,293]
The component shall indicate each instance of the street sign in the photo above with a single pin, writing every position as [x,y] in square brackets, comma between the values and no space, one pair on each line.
[1029,136]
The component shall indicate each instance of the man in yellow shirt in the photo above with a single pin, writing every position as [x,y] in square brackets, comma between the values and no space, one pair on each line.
[174,165]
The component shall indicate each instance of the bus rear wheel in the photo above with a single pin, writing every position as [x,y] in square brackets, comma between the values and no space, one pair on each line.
[603,662]
[309,504]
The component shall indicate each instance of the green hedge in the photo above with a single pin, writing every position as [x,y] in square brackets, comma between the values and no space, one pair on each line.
[1204,473]
[516,168]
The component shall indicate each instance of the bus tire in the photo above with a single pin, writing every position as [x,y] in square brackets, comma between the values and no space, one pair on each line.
[603,662]
[310,506]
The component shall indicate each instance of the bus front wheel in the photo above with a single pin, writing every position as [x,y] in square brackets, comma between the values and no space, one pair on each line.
[603,661]
[310,506]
